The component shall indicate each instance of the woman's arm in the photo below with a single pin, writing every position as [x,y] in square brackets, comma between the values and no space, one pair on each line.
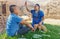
[43,18]
[26,6]
[42,21]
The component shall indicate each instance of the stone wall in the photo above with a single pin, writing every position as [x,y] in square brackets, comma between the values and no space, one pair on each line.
[53,9]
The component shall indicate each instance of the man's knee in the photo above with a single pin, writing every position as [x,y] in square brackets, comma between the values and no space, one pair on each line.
[23,30]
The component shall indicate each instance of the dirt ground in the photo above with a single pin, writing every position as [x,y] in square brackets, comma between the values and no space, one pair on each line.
[52,21]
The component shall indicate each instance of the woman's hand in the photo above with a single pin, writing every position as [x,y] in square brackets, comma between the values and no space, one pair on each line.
[40,23]
[26,7]
[26,3]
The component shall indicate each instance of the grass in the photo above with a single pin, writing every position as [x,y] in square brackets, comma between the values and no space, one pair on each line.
[53,33]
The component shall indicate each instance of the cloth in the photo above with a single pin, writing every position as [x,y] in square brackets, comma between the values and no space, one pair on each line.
[23,30]
[37,16]
[12,25]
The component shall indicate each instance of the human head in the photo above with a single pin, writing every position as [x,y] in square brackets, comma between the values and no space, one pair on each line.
[37,7]
[14,9]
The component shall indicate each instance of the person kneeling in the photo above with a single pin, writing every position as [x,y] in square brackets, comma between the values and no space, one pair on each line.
[37,17]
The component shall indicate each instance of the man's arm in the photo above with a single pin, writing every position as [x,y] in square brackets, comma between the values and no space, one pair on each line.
[26,6]
[21,21]
[27,24]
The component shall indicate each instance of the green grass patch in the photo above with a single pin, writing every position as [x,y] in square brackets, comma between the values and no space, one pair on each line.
[53,33]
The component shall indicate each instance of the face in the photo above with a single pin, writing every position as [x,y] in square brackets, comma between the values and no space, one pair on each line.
[36,7]
[16,10]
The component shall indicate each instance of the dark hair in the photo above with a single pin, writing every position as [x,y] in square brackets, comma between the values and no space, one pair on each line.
[11,8]
[38,5]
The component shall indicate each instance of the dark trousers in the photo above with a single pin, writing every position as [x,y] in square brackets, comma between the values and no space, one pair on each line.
[23,30]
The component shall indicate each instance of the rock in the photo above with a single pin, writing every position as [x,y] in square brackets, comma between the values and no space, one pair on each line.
[37,36]
[46,35]
[22,38]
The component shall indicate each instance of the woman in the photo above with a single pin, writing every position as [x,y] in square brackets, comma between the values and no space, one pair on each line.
[38,17]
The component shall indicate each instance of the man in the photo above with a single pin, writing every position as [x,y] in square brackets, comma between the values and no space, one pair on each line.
[14,22]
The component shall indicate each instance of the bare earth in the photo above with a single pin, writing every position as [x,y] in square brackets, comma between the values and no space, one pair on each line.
[52,21]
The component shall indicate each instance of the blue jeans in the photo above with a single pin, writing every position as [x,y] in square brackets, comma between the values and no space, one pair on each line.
[23,30]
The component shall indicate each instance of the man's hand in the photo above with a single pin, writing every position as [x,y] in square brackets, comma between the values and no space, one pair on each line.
[32,29]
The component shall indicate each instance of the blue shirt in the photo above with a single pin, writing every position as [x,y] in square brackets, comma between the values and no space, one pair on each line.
[37,17]
[12,24]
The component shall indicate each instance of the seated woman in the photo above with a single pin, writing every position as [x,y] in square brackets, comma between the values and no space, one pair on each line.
[38,17]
